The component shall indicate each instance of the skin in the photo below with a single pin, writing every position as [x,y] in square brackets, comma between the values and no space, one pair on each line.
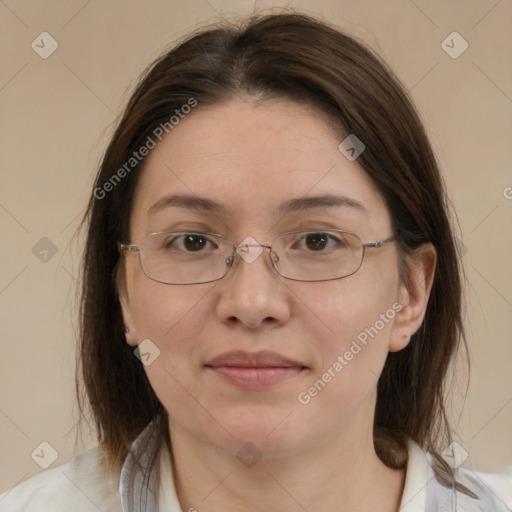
[251,156]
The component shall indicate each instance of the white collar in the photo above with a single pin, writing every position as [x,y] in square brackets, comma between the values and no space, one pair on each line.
[167,498]
[414,496]
[422,490]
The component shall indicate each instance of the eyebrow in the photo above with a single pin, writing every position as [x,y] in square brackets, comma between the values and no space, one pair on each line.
[187,201]
[321,201]
[291,206]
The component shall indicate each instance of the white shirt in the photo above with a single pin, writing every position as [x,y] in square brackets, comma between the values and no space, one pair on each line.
[83,485]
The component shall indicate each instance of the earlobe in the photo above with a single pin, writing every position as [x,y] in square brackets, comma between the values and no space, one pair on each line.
[398,342]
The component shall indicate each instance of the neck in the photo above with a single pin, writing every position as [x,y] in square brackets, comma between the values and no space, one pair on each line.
[341,473]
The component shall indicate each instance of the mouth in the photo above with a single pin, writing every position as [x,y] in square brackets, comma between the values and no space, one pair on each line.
[253,371]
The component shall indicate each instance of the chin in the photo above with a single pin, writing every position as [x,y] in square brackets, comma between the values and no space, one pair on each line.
[271,437]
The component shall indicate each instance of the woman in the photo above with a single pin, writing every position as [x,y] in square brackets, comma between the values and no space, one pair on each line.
[271,291]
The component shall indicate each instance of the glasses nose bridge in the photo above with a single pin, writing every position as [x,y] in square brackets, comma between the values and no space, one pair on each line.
[257,244]
[266,246]
[236,254]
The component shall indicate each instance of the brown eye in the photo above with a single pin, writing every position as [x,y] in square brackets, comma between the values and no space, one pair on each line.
[317,241]
[194,242]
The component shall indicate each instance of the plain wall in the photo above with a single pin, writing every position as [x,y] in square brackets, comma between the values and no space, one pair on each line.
[55,119]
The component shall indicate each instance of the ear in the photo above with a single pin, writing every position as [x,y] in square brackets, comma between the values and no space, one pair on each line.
[414,298]
[130,330]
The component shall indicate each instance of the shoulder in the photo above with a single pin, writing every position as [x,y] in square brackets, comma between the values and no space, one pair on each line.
[82,485]
[499,483]
[482,492]
[428,487]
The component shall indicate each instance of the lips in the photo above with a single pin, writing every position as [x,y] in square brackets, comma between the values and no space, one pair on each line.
[253,371]
[264,359]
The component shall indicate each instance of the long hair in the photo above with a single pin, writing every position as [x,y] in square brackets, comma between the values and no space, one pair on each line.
[300,58]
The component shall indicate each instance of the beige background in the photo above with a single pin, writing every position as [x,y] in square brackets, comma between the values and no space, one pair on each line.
[57,113]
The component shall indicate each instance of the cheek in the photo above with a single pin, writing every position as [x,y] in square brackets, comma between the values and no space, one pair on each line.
[352,325]
[172,318]
[161,310]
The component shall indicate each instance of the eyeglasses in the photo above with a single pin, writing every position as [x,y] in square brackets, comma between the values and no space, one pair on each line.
[184,257]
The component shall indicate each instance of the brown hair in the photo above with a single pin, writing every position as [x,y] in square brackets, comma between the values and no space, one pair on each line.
[300,58]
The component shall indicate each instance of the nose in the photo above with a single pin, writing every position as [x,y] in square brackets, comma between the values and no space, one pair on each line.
[253,294]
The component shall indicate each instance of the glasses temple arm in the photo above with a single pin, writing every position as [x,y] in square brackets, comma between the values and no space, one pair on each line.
[376,245]
[127,248]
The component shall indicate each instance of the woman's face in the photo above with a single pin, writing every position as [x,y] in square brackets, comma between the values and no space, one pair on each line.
[251,159]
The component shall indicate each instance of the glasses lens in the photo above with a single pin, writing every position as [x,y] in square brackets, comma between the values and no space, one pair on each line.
[179,257]
[317,255]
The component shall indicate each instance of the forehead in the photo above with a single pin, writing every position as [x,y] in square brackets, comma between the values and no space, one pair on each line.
[250,159]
